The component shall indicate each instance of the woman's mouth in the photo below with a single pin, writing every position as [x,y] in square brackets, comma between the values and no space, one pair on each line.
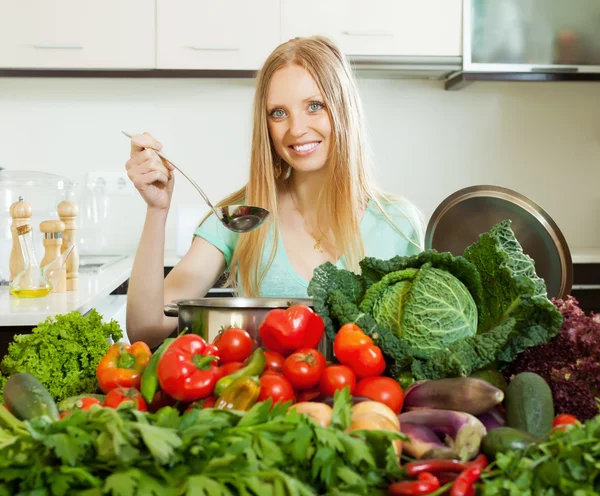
[304,149]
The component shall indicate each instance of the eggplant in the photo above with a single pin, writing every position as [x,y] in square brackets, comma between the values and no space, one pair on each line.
[460,431]
[423,443]
[463,394]
[492,419]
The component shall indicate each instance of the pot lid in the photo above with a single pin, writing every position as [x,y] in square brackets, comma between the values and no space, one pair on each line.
[459,220]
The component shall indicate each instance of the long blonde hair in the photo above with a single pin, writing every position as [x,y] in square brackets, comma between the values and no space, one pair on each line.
[347,187]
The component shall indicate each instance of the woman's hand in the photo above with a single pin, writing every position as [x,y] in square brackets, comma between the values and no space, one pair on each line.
[151,176]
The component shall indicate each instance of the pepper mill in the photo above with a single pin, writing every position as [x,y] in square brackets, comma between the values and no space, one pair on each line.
[20,211]
[53,240]
[67,211]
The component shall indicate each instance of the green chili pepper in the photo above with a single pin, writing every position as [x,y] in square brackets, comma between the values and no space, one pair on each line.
[149,385]
[254,367]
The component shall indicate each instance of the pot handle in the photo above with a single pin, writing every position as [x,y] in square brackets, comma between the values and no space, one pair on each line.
[171,310]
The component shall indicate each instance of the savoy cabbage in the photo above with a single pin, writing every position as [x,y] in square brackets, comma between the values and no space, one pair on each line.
[437,315]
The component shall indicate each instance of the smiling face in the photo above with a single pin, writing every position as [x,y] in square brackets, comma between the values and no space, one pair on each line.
[298,121]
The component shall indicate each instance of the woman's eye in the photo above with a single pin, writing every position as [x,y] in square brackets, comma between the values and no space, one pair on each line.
[314,106]
[277,113]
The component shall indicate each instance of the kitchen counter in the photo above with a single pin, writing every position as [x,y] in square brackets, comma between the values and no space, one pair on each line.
[93,288]
[585,255]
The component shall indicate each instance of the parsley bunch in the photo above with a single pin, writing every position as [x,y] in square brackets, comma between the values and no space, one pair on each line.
[568,463]
[266,451]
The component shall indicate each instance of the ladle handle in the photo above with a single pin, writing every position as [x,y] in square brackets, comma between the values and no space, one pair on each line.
[216,211]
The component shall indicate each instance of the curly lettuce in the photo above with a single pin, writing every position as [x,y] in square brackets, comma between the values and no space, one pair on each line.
[62,352]
[512,310]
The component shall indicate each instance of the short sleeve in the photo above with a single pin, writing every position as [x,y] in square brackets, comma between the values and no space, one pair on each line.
[219,236]
[406,235]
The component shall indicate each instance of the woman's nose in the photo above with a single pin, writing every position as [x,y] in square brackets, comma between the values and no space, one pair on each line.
[298,125]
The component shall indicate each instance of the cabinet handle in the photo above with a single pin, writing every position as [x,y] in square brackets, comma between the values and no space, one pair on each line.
[360,32]
[59,46]
[213,48]
[583,287]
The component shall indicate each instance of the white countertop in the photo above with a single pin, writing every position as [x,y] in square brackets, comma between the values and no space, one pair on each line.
[93,288]
[585,255]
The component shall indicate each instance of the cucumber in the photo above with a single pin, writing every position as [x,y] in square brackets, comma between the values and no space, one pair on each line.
[27,398]
[503,439]
[529,406]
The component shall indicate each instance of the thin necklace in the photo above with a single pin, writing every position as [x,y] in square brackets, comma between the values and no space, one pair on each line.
[317,246]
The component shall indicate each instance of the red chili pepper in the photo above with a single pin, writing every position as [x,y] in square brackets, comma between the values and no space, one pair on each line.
[122,366]
[464,482]
[415,468]
[426,476]
[414,488]
[185,371]
[480,462]
[446,477]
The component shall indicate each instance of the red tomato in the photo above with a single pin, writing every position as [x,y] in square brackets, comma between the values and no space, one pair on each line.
[286,331]
[274,361]
[86,403]
[348,341]
[368,363]
[228,369]
[120,395]
[160,399]
[336,377]
[354,348]
[308,395]
[276,386]
[561,421]
[303,368]
[211,350]
[383,389]
[234,344]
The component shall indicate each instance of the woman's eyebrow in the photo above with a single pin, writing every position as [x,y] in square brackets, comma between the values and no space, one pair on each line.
[314,97]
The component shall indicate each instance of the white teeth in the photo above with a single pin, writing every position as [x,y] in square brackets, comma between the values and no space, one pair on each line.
[305,148]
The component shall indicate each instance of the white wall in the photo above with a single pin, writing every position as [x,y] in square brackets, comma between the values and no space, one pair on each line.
[541,139]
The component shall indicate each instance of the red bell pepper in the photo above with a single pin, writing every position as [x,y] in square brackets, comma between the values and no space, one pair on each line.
[188,371]
[122,366]
[285,331]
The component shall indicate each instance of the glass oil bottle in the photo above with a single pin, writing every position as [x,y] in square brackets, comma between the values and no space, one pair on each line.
[31,281]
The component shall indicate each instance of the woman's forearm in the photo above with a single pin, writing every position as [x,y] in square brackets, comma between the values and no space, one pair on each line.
[145,296]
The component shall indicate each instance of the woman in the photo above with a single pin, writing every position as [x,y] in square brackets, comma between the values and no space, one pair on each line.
[308,167]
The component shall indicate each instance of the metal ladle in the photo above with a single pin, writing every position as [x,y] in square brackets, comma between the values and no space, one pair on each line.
[236,218]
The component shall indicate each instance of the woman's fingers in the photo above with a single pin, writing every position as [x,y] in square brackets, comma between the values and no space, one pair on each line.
[140,142]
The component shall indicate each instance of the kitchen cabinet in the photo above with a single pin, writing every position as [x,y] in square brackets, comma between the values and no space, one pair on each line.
[204,34]
[421,28]
[77,34]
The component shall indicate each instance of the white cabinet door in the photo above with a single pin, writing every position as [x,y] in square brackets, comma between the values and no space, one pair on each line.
[379,27]
[70,34]
[211,34]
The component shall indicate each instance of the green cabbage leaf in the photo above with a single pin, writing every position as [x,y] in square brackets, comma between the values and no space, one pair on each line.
[438,315]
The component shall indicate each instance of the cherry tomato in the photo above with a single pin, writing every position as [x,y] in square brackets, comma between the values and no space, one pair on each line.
[208,402]
[234,344]
[337,377]
[160,399]
[308,394]
[276,386]
[368,363]
[274,361]
[228,369]
[303,368]
[383,389]
[86,403]
[117,396]
[561,421]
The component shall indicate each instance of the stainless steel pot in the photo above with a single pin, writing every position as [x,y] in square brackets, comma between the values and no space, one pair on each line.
[207,316]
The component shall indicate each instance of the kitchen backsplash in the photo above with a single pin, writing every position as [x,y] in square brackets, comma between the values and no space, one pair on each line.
[542,140]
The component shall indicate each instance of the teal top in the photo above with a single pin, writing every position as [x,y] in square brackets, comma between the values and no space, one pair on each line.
[381,240]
